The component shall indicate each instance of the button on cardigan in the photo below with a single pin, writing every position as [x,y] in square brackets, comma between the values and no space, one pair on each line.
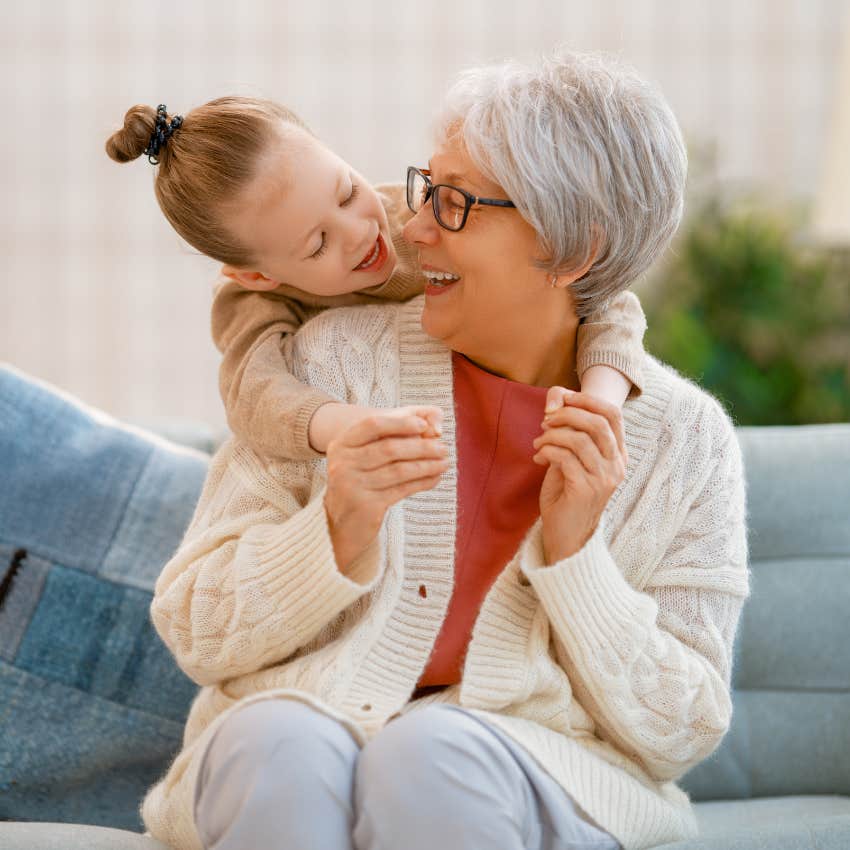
[611,667]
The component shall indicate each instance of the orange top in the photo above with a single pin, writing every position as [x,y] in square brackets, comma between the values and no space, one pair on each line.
[497,499]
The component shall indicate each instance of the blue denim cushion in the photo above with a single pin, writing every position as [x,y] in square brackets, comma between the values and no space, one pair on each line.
[92,705]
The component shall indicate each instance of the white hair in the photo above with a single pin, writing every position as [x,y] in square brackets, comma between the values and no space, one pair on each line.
[589,153]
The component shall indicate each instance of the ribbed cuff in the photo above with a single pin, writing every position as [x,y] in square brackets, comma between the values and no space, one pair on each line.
[295,566]
[628,366]
[300,441]
[589,602]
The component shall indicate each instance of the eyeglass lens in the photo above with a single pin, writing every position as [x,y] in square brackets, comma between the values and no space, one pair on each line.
[449,203]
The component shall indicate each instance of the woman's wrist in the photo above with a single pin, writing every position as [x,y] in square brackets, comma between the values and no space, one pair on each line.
[347,543]
[559,544]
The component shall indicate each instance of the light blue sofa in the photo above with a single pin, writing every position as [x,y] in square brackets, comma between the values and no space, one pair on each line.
[91,704]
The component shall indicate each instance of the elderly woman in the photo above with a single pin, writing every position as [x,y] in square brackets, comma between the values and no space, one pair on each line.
[527,645]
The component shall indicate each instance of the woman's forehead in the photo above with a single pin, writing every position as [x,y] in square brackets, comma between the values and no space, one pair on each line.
[450,163]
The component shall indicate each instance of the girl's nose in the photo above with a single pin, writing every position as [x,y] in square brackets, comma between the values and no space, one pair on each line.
[360,233]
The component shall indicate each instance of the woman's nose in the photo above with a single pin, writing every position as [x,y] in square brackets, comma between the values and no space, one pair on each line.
[422,228]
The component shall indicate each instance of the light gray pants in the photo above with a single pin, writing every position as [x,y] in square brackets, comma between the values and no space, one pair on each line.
[279,775]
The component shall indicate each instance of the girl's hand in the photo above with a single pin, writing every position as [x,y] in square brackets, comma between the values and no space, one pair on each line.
[583,444]
[332,419]
[372,465]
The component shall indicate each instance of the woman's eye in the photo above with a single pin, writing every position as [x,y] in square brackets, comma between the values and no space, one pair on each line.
[355,191]
[321,249]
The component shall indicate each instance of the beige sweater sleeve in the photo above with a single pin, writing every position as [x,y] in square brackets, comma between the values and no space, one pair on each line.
[266,406]
[614,337]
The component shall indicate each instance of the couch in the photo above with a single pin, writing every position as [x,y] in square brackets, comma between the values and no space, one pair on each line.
[92,705]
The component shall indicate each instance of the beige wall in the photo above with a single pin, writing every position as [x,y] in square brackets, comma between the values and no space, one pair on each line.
[98,296]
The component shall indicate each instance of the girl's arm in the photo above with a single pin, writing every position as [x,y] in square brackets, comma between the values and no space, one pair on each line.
[269,409]
[610,350]
[266,406]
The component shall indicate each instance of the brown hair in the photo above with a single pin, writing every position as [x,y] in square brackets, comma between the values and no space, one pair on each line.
[205,164]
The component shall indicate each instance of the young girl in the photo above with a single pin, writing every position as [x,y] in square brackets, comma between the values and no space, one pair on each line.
[298,230]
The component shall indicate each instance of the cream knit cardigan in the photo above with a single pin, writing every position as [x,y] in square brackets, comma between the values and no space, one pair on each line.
[611,667]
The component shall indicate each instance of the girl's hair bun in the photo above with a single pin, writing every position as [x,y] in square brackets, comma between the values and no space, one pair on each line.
[132,139]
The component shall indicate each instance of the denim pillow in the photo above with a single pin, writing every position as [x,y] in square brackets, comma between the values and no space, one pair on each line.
[92,705]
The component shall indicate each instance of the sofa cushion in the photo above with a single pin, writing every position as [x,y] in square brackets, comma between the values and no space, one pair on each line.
[791,675]
[92,705]
[778,823]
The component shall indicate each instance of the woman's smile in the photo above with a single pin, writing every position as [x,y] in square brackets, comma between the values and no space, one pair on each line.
[438,281]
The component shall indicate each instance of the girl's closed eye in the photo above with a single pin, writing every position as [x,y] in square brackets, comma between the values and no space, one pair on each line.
[321,249]
[355,191]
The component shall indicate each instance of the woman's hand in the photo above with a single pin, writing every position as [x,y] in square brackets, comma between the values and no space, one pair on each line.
[375,463]
[333,418]
[583,444]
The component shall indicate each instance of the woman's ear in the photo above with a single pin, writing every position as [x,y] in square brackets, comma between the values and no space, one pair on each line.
[250,280]
[568,277]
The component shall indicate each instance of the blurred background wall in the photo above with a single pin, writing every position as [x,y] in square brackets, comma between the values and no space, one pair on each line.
[98,295]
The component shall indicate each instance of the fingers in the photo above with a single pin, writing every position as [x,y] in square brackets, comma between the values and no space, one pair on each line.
[555,398]
[379,426]
[583,401]
[594,427]
[571,467]
[578,442]
[391,449]
[609,475]
[432,415]
[396,474]
[408,488]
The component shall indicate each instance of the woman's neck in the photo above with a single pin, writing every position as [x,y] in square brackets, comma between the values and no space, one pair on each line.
[537,359]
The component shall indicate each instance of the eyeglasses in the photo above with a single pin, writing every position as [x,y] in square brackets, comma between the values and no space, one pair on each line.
[451,205]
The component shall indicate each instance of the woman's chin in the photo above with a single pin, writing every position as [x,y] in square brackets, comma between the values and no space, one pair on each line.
[435,325]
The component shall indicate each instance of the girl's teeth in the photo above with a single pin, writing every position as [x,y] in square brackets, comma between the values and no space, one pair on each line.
[370,259]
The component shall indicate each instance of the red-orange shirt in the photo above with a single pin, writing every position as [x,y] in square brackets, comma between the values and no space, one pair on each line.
[497,498]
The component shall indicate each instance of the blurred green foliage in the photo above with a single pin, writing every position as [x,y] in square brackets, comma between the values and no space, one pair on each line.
[756,317]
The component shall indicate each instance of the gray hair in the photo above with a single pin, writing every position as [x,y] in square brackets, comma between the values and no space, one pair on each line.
[587,151]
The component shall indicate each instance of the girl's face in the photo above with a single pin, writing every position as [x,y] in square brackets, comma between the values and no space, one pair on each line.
[311,221]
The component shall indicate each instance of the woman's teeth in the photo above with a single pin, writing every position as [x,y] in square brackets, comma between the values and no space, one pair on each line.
[437,278]
[372,257]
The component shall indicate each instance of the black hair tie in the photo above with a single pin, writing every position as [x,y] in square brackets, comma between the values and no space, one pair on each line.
[163,130]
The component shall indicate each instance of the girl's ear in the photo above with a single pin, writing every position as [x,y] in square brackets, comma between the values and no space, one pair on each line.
[250,280]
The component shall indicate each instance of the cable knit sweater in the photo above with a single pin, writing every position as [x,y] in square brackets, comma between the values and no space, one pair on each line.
[611,667]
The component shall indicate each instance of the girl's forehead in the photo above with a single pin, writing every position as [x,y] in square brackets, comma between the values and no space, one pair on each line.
[291,167]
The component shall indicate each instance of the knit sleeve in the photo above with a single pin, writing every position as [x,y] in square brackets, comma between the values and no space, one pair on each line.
[255,576]
[653,668]
[613,336]
[266,406]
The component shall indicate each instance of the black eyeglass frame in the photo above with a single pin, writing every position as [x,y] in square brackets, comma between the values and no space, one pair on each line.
[469,199]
